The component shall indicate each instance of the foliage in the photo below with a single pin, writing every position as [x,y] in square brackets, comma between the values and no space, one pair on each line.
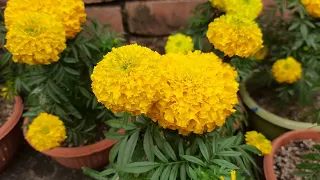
[308,170]
[63,88]
[147,151]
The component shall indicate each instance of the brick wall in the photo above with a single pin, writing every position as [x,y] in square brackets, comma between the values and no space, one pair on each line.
[147,22]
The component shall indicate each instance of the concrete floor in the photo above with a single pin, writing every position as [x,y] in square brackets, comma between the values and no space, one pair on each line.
[31,165]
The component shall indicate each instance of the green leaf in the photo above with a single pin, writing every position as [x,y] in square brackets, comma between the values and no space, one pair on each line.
[71,71]
[317,147]
[311,166]
[314,157]
[157,174]
[183,171]
[192,174]
[130,147]
[224,163]
[52,95]
[94,174]
[251,149]
[166,173]
[139,167]
[204,150]
[193,160]
[57,90]
[214,143]
[114,135]
[70,60]
[114,152]
[84,92]
[304,31]
[123,146]
[121,124]
[107,172]
[180,147]
[159,154]
[227,143]
[229,153]
[174,172]
[148,145]
[169,151]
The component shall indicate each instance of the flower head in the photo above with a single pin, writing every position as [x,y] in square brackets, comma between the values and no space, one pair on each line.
[198,94]
[233,174]
[248,8]
[287,70]
[70,12]
[235,35]
[313,7]
[46,131]
[179,43]
[36,38]
[261,54]
[258,140]
[125,80]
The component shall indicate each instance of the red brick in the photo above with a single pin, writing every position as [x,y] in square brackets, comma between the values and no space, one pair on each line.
[107,15]
[158,17]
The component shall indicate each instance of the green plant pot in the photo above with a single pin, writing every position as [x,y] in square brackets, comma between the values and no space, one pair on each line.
[271,125]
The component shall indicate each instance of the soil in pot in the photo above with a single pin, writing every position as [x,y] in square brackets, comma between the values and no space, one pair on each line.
[287,157]
[6,110]
[269,100]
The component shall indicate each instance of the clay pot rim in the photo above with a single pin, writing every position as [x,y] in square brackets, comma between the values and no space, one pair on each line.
[14,118]
[268,160]
[66,152]
[270,117]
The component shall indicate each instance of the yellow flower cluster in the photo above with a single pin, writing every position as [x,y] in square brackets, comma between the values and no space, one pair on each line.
[258,140]
[313,7]
[199,93]
[36,38]
[287,70]
[46,131]
[235,35]
[233,174]
[125,79]
[247,8]
[70,12]
[179,43]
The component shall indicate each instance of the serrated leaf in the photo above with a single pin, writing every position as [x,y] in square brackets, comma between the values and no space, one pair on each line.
[169,151]
[174,172]
[192,174]
[193,160]
[130,147]
[122,148]
[204,150]
[224,163]
[183,171]
[148,145]
[227,143]
[114,135]
[84,92]
[121,124]
[139,167]
[71,71]
[157,173]
[180,147]
[304,31]
[159,154]
[166,173]
[229,153]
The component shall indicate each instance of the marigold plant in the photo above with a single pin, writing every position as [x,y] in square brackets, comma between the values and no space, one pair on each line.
[179,43]
[287,70]
[259,141]
[46,131]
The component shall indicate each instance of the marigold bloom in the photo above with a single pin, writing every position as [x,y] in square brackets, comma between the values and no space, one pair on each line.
[235,35]
[70,12]
[199,92]
[126,80]
[313,7]
[46,131]
[261,54]
[36,38]
[287,70]
[179,43]
[258,140]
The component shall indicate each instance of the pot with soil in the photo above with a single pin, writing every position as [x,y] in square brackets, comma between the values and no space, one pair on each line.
[287,151]
[95,155]
[271,120]
[10,133]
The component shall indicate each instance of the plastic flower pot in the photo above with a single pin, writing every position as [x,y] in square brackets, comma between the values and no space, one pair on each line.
[281,141]
[92,156]
[269,124]
[10,134]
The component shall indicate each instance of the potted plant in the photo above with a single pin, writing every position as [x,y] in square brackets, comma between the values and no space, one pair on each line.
[179,105]
[283,89]
[292,152]
[56,54]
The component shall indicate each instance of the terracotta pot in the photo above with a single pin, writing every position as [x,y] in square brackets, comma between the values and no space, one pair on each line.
[269,124]
[93,156]
[10,134]
[283,140]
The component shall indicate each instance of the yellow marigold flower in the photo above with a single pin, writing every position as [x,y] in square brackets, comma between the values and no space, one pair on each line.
[233,175]
[70,12]
[198,94]
[235,35]
[221,178]
[125,80]
[313,7]
[179,43]
[36,38]
[4,92]
[258,140]
[287,70]
[46,131]
[261,54]
[219,4]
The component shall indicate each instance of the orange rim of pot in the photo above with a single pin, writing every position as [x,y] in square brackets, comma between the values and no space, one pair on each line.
[14,118]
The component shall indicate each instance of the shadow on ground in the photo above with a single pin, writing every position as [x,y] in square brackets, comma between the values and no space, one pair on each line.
[31,165]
